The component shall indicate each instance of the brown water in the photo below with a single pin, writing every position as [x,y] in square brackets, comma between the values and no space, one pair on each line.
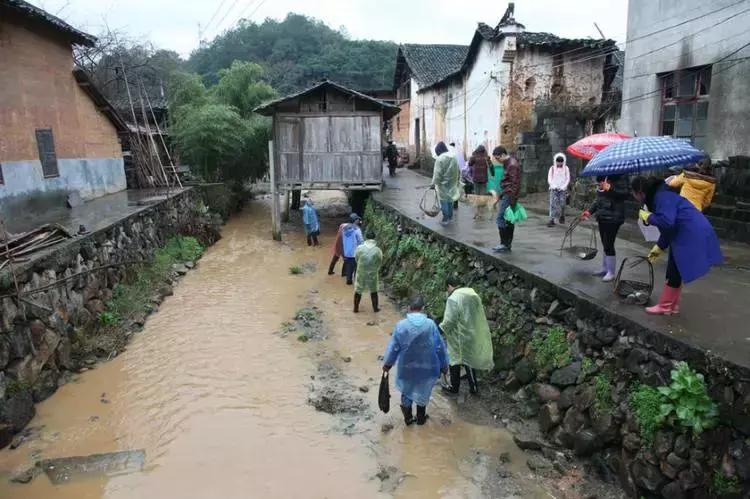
[218,402]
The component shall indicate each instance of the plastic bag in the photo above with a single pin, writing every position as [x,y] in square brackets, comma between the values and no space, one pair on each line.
[430,204]
[384,395]
[516,215]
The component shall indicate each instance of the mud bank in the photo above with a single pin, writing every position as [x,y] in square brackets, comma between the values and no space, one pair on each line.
[572,369]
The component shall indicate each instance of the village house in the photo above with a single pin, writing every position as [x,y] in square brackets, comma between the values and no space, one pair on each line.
[57,134]
[533,93]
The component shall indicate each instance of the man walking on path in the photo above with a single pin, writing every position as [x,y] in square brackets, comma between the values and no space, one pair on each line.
[511,188]
[368,258]
[351,238]
[445,180]
[421,354]
[467,335]
[391,155]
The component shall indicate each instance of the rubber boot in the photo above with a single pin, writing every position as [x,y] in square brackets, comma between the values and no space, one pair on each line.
[610,262]
[603,271]
[408,416]
[562,220]
[334,261]
[471,375]
[666,306]
[676,304]
[375,302]
[357,299]
[422,416]
[455,380]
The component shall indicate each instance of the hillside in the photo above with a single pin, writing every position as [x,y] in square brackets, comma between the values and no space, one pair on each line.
[297,52]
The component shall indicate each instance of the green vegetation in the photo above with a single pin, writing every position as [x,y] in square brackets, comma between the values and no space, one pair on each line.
[296,270]
[645,402]
[685,401]
[307,316]
[297,52]
[587,366]
[603,402]
[723,485]
[107,318]
[303,338]
[15,387]
[550,349]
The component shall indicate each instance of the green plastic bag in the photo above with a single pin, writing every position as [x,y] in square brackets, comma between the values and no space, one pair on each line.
[516,215]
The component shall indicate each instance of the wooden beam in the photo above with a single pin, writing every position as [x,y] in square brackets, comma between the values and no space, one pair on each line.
[275,215]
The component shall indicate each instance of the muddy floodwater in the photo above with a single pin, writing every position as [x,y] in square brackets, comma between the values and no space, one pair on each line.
[216,392]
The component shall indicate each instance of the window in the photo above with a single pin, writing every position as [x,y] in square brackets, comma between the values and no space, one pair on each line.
[46,145]
[684,111]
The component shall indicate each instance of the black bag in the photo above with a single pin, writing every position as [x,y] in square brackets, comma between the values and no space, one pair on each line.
[384,395]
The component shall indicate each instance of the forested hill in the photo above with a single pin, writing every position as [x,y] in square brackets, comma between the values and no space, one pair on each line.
[297,52]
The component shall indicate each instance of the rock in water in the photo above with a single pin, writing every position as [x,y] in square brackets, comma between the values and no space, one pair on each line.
[64,469]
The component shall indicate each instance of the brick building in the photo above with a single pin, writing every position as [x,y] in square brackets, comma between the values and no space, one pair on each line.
[54,137]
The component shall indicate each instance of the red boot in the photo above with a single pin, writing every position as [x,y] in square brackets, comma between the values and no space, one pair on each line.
[669,302]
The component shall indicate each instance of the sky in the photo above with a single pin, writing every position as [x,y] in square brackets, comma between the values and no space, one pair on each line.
[174,24]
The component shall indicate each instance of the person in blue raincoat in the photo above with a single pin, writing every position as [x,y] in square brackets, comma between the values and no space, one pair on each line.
[351,238]
[685,231]
[420,354]
[311,223]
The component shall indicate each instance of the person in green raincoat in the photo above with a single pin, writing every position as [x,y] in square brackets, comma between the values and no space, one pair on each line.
[369,258]
[467,335]
[446,181]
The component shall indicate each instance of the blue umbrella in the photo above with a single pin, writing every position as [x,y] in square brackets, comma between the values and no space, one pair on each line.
[640,154]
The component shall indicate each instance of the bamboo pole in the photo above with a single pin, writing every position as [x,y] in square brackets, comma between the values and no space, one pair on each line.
[275,216]
[163,142]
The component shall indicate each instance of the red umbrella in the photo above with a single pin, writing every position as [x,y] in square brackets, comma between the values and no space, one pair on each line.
[588,147]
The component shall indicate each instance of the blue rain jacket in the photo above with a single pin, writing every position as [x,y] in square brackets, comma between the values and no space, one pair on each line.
[419,353]
[352,238]
[687,232]
[310,219]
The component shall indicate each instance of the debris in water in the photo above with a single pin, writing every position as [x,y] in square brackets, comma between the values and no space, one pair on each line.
[364,388]
[386,428]
[390,478]
[104,401]
[63,470]
[372,323]
[346,359]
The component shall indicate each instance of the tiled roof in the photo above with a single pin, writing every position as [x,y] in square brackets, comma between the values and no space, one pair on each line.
[430,64]
[541,39]
[35,13]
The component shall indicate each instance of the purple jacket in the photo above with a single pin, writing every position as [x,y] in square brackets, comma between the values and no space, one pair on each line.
[687,232]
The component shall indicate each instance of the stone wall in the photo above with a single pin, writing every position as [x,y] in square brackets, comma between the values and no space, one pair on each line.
[574,366]
[38,334]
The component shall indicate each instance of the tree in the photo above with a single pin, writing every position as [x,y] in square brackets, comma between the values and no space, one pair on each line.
[240,87]
[185,90]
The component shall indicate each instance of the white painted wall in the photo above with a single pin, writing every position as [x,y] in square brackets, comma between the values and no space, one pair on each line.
[484,86]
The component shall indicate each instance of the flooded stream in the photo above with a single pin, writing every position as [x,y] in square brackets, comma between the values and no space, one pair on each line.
[218,399]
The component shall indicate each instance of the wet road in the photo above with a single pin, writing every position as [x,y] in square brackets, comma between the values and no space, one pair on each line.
[219,402]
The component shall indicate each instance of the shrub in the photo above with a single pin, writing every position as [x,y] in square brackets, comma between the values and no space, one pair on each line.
[296,270]
[723,485]
[685,401]
[108,318]
[603,390]
[551,349]
[645,402]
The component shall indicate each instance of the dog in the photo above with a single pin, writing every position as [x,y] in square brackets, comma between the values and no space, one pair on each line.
[481,202]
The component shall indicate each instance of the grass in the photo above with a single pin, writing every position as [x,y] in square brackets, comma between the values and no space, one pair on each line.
[603,389]
[296,270]
[723,485]
[550,349]
[645,402]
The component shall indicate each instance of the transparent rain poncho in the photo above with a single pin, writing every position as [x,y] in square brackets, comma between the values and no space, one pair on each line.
[466,330]
[419,353]
[369,259]
[446,177]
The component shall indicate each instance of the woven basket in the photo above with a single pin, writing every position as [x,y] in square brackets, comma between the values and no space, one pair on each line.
[581,252]
[630,290]
[430,205]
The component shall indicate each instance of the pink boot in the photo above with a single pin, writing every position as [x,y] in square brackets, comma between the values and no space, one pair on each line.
[669,302]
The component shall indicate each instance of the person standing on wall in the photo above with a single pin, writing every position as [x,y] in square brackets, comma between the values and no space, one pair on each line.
[445,179]
[692,242]
[609,209]
[467,335]
[391,155]
[558,178]
[420,354]
[351,238]
[510,188]
[369,258]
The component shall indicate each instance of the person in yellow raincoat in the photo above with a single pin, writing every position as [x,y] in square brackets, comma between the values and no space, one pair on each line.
[467,335]
[446,180]
[369,258]
[698,187]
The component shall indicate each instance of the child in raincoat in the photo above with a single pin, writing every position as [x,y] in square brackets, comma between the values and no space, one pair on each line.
[445,180]
[558,179]
[692,242]
[697,187]
[467,335]
[311,223]
[420,354]
[369,258]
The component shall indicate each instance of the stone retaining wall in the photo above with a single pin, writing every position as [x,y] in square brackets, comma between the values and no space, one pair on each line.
[582,396]
[37,347]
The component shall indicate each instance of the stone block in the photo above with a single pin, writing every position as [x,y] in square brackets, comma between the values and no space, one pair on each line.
[549,417]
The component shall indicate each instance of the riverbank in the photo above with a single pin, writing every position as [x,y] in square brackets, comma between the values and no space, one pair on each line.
[572,356]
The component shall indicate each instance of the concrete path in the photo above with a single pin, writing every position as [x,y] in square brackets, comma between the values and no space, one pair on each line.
[715,309]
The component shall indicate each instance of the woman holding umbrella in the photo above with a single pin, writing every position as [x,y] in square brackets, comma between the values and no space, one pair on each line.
[685,231]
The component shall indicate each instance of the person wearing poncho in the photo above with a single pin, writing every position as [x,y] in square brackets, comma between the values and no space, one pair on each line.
[369,258]
[419,352]
[467,335]
[311,223]
[446,180]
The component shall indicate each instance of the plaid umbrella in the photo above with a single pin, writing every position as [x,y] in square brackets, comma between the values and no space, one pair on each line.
[642,154]
[590,146]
